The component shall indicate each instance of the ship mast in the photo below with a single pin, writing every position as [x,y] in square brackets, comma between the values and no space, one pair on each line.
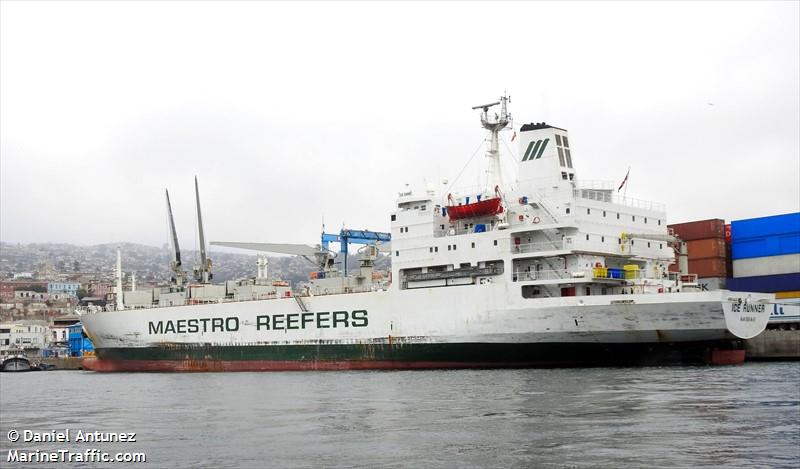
[175,264]
[119,294]
[494,124]
[202,273]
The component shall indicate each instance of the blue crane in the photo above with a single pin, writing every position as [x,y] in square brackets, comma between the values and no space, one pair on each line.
[346,237]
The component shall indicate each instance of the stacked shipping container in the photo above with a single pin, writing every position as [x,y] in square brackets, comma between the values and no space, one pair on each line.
[766,255]
[707,250]
[766,258]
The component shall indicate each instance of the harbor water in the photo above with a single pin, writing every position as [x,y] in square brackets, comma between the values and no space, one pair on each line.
[735,416]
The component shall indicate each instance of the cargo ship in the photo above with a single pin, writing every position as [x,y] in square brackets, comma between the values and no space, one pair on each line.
[533,269]
[757,254]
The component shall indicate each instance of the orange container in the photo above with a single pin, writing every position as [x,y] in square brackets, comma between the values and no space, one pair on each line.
[705,248]
[710,267]
[703,229]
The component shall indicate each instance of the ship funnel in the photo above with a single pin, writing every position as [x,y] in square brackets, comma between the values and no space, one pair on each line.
[545,157]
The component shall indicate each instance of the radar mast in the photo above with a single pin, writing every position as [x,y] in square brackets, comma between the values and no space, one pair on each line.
[494,124]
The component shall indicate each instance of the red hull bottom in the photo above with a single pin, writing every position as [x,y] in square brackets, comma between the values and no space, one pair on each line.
[727,357]
[719,357]
[97,364]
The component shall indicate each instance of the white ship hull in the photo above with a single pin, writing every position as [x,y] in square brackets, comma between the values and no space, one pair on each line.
[381,330]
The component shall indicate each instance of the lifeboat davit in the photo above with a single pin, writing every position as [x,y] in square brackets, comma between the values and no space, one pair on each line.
[481,208]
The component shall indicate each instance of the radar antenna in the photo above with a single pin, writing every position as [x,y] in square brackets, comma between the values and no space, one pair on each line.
[494,124]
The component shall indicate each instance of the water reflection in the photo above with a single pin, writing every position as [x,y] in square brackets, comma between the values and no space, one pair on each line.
[741,416]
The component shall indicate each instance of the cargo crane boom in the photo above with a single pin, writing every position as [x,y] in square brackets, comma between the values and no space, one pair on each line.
[677,244]
[202,272]
[175,264]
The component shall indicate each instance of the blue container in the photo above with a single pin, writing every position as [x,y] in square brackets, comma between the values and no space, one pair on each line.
[77,342]
[773,245]
[321,274]
[765,226]
[480,228]
[766,236]
[766,283]
[615,273]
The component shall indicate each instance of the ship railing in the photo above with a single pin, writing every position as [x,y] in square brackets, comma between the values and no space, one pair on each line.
[523,276]
[596,185]
[596,273]
[345,290]
[604,195]
[538,247]
[380,286]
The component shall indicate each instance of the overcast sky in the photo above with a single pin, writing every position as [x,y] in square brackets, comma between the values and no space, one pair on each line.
[291,112]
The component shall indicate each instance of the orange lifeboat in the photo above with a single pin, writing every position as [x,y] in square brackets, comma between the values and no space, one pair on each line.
[481,208]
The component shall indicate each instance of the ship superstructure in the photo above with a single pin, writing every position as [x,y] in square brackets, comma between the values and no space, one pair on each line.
[538,269]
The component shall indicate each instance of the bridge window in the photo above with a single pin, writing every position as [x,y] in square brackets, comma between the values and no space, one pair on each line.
[396,253]
[495,242]
[618,216]
[588,211]
[567,210]
[473,245]
[394,217]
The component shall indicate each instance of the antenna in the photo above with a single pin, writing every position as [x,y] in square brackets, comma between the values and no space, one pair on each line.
[486,107]
[494,125]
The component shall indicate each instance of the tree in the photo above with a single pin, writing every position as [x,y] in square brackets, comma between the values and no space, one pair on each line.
[81,293]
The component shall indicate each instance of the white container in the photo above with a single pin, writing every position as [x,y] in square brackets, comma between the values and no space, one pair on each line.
[772,265]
